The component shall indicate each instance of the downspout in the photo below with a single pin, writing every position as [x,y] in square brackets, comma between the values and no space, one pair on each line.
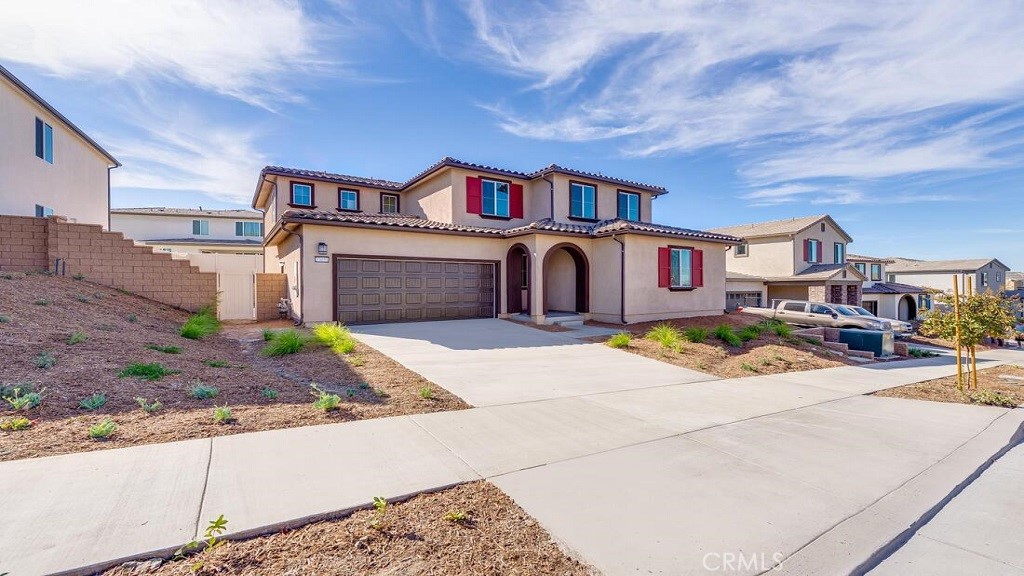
[622,278]
[302,283]
[109,168]
[551,190]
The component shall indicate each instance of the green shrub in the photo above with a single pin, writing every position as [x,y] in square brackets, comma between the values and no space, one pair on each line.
[268,334]
[283,343]
[782,330]
[222,415]
[164,349]
[42,302]
[665,334]
[696,334]
[726,334]
[921,353]
[356,361]
[133,318]
[82,298]
[4,319]
[269,393]
[201,324]
[153,371]
[456,517]
[77,337]
[103,430]
[749,333]
[21,396]
[324,400]
[16,424]
[44,360]
[748,367]
[201,391]
[216,363]
[427,393]
[991,398]
[149,407]
[335,336]
[94,402]
[620,340]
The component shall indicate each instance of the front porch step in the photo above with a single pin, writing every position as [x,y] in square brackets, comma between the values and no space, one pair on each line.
[567,320]
[837,346]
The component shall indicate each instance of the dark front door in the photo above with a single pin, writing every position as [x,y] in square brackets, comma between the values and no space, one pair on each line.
[518,269]
[836,294]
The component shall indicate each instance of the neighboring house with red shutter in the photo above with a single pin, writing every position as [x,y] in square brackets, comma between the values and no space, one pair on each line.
[797,259]
[462,240]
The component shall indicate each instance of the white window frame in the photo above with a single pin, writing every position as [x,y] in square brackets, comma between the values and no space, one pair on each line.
[292,196]
[746,250]
[676,274]
[498,204]
[385,197]
[875,277]
[984,278]
[47,143]
[861,267]
[813,250]
[630,197]
[257,233]
[348,199]
[587,206]
[204,227]
[839,253]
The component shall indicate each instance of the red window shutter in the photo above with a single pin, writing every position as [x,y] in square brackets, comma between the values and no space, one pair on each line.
[664,267]
[819,253]
[697,268]
[515,201]
[474,195]
[807,250]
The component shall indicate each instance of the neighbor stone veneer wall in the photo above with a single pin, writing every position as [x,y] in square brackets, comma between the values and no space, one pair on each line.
[104,258]
[270,288]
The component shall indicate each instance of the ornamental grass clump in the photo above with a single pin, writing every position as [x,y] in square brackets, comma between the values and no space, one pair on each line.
[726,334]
[665,334]
[201,324]
[620,340]
[284,342]
[335,336]
[696,334]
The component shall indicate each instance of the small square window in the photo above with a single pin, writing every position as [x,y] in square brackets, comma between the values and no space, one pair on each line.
[582,201]
[348,199]
[200,227]
[861,267]
[495,198]
[742,250]
[302,194]
[389,203]
[629,205]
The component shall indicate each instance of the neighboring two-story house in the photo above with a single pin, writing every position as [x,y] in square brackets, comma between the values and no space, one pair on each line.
[983,274]
[889,299]
[192,231]
[798,259]
[462,240]
[49,166]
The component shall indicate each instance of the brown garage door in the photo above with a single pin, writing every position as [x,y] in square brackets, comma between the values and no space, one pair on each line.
[388,290]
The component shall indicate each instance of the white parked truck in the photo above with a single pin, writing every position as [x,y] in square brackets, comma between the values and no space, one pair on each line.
[815,314]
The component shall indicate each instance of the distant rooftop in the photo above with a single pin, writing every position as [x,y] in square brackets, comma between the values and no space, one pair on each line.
[162,211]
[967,265]
[787,227]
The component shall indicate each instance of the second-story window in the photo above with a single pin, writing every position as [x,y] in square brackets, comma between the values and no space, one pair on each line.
[582,200]
[890,278]
[861,267]
[389,203]
[813,251]
[876,272]
[348,199]
[629,205]
[839,253]
[249,229]
[44,141]
[495,198]
[984,278]
[302,194]
[742,250]
[200,227]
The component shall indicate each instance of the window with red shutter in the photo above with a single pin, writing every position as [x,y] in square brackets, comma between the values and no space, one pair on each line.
[807,250]
[515,201]
[474,195]
[664,266]
[697,268]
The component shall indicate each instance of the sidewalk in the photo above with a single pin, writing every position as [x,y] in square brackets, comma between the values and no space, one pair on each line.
[81,512]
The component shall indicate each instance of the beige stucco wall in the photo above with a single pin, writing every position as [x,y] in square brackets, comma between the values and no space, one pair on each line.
[765,257]
[561,282]
[867,270]
[75,185]
[886,304]
[148,227]
[828,239]
[431,198]
[325,197]
[787,292]
[944,280]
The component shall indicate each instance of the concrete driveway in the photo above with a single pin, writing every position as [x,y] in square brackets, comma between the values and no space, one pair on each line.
[490,362]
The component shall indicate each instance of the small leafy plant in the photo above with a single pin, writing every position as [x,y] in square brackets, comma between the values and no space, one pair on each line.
[202,391]
[133,318]
[726,334]
[921,353]
[749,333]
[269,393]
[210,541]
[748,367]
[153,371]
[283,343]
[93,402]
[164,349]
[82,298]
[103,429]
[356,361]
[216,363]
[456,517]
[79,276]
[44,360]
[24,398]
[380,512]
[782,330]
[665,334]
[324,400]
[268,334]
[222,415]
[149,407]
[4,319]
[16,424]
[201,324]
[991,398]
[696,334]
[77,337]
[42,302]
[620,340]
[427,393]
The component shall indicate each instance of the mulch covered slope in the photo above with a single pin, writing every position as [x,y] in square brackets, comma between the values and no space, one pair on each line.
[497,538]
[38,314]
[945,390]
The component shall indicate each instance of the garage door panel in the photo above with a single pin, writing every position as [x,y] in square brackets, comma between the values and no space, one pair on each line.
[385,290]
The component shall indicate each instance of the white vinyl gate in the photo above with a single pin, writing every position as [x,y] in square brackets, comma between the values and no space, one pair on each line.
[237,293]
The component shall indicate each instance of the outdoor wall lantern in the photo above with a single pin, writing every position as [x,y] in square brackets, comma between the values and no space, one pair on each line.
[321,248]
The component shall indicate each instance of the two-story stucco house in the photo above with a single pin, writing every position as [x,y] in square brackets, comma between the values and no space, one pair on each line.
[889,299]
[49,166]
[983,274]
[798,258]
[462,240]
[192,231]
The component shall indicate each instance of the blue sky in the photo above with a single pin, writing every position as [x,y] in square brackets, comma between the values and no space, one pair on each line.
[905,122]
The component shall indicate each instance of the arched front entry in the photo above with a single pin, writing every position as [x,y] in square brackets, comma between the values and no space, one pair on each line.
[907,308]
[566,279]
[517,268]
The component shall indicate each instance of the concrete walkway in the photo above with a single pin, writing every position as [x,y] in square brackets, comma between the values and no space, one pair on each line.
[649,478]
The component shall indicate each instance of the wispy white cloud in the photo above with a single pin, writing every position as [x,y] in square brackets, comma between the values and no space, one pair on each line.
[796,90]
[241,49]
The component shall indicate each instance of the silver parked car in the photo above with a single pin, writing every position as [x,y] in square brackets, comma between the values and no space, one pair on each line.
[900,328]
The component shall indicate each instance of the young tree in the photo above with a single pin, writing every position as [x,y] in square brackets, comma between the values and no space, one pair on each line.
[981,315]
